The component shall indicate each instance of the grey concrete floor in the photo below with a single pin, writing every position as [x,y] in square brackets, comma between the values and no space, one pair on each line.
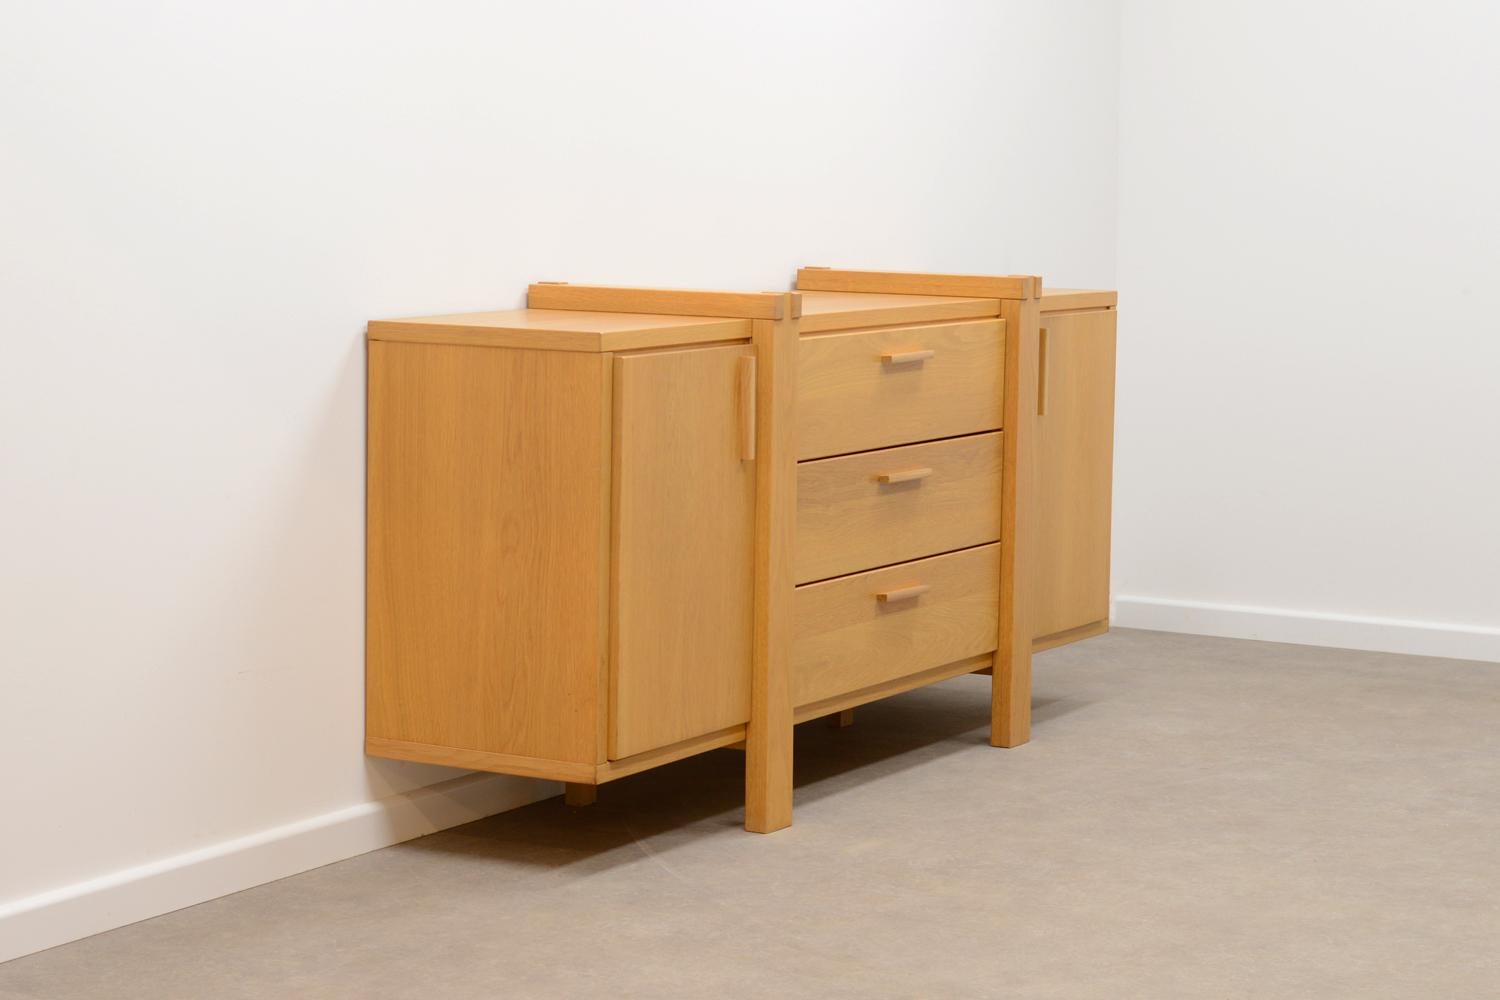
[1195,817]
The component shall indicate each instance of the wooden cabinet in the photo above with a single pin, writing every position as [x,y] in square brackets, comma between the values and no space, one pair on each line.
[623,526]
[1075,455]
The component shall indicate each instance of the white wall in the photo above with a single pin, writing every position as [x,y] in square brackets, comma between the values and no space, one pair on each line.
[203,203]
[1308,417]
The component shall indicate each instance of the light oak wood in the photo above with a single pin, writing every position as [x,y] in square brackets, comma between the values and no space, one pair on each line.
[1075,457]
[1010,684]
[578,794]
[847,639]
[684,531]
[1055,299]
[875,692]
[875,508]
[768,750]
[910,592]
[560,330]
[668,301]
[1013,286]
[824,311]
[842,720]
[746,404]
[487,496]
[612,769]
[904,475]
[849,399]
[907,357]
[586,525]
[1041,369]
[525,766]
[1070,635]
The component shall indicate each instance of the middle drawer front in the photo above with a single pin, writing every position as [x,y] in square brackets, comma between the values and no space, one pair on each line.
[883,507]
[861,630]
[877,388]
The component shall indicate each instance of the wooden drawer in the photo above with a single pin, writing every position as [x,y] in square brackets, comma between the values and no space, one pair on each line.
[883,507]
[877,388]
[845,637]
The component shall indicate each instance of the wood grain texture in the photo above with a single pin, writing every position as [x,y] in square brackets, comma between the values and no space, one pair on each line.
[683,548]
[1057,299]
[768,742]
[1075,466]
[486,580]
[849,400]
[480,760]
[1010,688]
[577,794]
[560,330]
[1012,286]
[1070,635]
[612,769]
[853,699]
[849,520]
[847,640]
[669,301]
[823,311]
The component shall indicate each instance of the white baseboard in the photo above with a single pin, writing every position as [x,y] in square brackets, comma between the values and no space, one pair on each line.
[74,911]
[1385,635]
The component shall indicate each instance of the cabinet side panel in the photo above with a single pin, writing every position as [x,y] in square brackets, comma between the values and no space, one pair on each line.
[1075,457]
[684,532]
[487,499]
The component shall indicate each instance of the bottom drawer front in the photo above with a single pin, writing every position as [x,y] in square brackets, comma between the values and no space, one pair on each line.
[869,628]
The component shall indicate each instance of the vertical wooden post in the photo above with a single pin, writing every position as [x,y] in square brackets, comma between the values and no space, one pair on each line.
[768,740]
[1010,685]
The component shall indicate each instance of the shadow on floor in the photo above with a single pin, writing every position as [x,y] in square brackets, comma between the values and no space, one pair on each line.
[703,796]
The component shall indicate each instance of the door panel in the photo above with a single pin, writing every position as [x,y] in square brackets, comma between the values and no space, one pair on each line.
[683,536]
[1075,458]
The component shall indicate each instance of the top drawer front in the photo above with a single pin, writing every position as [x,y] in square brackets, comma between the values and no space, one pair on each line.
[877,388]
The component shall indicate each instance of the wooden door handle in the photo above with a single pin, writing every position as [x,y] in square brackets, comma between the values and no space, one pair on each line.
[907,593]
[1041,372]
[904,476]
[747,408]
[907,357]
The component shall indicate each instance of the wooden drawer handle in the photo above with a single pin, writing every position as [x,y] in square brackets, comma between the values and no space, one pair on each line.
[907,357]
[1041,373]
[904,476]
[906,593]
[747,408]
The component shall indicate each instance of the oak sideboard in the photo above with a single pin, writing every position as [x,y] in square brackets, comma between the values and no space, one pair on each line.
[623,526]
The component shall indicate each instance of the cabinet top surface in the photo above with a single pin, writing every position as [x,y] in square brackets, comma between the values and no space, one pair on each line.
[843,310]
[560,329]
[1057,299]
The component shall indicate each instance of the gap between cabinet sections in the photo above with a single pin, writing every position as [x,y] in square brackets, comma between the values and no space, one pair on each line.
[898,562]
[903,444]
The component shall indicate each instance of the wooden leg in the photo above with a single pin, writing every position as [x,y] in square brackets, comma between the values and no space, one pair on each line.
[841,720]
[580,795]
[768,738]
[1010,685]
[1010,701]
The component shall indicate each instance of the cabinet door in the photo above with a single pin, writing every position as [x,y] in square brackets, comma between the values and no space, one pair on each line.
[1075,458]
[683,535]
